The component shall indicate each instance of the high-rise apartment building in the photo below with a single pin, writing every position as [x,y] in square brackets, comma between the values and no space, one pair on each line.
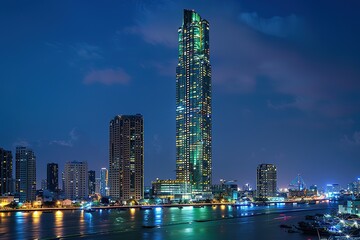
[193,105]
[103,182]
[76,180]
[266,181]
[25,174]
[52,177]
[6,168]
[91,181]
[126,157]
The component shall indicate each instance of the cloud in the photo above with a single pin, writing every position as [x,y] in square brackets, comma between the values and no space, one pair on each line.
[157,28]
[163,67]
[281,106]
[22,143]
[240,56]
[275,26]
[73,136]
[87,51]
[353,140]
[107,77]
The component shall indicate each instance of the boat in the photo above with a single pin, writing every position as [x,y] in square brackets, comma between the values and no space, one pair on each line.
[198,206]
[146,208]
[285,226]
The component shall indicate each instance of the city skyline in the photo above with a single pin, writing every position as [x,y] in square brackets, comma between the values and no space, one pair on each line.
[285,84]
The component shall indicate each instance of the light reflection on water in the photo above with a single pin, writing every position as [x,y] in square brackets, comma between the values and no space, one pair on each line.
[59,215]
[163,223]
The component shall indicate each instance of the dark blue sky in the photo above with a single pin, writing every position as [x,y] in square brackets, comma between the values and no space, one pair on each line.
[286,83]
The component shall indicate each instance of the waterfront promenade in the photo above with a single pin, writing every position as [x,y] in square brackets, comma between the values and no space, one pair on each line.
[148,206]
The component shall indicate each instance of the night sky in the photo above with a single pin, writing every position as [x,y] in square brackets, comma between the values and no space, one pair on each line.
[286,83]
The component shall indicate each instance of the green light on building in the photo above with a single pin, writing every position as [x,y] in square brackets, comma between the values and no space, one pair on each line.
[193,105]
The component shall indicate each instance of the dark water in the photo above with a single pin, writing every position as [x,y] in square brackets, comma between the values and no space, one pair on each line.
[221,222]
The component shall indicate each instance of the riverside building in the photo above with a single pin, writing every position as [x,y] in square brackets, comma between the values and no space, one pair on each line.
[126,157]
[193,106]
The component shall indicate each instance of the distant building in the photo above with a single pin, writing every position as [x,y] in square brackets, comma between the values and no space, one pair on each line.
[52,177]
[227,190]
[350,207]
[76,180]
[97,185]
[247,187]
[6,175]
[266,181]
[63,181]
[193,106]
[332,190]
[354,187]
[104,189]
[126,160]
[91,181]
[314,189]
[25,174]
[43,184]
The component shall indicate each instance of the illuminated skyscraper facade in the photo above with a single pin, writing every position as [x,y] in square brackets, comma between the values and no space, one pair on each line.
[25,174]
[76,180]
[193,105]
[126,163]
[104,182]
[266,181]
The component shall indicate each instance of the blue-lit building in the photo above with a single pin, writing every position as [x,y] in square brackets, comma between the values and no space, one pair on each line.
[193,105]
[104,190]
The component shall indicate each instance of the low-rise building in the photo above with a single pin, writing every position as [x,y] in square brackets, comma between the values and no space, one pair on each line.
[169,189]
[351,207]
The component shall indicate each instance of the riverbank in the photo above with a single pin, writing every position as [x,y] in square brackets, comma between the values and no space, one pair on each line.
[141,207]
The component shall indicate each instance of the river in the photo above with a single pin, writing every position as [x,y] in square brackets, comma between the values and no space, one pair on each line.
[210,222]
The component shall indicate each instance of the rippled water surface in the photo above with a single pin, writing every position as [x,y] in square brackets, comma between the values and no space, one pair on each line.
[220,222]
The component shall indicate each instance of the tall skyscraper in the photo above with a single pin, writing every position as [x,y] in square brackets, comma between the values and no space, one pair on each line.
[6,168]
[76,180]
[52,177]
[91,181]
[104,182]
[266,181]
[25,174]
[126,157]
[193,105]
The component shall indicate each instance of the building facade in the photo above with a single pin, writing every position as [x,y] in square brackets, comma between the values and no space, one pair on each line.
[76,180]
[6,176]
[25,174]
[193,105]
[52,177]
[104,190]
[266,181]
[126,157]
[91,181]
[168,189]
